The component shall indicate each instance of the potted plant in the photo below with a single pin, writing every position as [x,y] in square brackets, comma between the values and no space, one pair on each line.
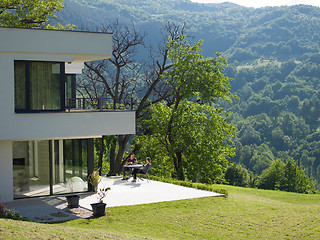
[99,208]
[73,200]
[94,179]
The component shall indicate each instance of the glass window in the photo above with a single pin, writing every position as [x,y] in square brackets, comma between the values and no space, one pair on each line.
[43,168]
[31,169]
[45,89]
[39,86]
[71,90]
[20,85]
[75,165]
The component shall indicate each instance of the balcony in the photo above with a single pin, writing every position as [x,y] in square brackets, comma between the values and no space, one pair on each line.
[96,104]
[82,118]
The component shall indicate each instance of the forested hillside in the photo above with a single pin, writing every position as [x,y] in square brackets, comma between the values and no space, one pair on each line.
[274,59]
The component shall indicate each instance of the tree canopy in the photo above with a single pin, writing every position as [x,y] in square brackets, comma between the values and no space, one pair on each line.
[190,129]
[287,177]
[30,13]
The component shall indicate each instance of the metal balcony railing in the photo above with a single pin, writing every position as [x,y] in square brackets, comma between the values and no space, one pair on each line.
[98,104]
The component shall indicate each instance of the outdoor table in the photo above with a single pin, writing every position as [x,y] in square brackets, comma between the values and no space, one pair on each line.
[133,166]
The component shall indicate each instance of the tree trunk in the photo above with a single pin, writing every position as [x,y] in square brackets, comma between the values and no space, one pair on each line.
[112,156]
[122,143]
[101,155]
[117,165]
[177,155]
[178,166]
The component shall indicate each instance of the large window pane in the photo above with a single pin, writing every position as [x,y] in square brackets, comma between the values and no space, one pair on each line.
[75,156]
[20,85]
[71,90]
[42,168]
[39,86]
[45,90]
[31,169]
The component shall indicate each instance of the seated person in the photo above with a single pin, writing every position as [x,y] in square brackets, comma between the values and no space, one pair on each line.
[131,160]
[143,169]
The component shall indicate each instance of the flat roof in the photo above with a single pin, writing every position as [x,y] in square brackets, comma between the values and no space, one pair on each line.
[78,45]
[45,29]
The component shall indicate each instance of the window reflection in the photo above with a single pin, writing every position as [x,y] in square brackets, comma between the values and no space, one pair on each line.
[38,86]
[49,167]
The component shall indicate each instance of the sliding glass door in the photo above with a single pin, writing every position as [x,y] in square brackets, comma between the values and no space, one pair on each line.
[31,169]
[70,175]
[49,167]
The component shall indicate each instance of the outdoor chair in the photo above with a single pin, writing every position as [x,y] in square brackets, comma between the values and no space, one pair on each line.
[146,173]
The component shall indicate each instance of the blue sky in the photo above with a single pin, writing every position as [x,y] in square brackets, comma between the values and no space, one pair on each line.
[264,3]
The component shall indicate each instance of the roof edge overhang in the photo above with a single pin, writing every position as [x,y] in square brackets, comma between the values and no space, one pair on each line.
[80,46]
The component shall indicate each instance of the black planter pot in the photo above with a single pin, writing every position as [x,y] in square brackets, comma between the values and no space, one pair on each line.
[73,201]
[98,209]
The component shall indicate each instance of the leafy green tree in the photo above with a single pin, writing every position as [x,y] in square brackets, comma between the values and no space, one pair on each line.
[287,177]
[262,123]
[274,112]
[245,92]
[295,179]
[245,155]
[237,175]
[259,162]
[271,178]
[161,164]
[193,129]
[277,138]
[198,143]
[249,135]
[30,13]
[306,161]
[293,104]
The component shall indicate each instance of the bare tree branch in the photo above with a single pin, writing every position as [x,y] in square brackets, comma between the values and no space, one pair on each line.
[127,80]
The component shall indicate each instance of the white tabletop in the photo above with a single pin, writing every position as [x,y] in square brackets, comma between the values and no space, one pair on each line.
[133,165]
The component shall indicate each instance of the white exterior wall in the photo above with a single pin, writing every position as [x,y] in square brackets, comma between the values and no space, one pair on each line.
[36,126]
[74,68]
[48,45]
[6,172]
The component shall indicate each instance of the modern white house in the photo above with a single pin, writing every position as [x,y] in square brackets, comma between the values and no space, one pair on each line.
[44,148]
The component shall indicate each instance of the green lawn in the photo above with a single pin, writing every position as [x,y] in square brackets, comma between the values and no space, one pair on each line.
[245,214]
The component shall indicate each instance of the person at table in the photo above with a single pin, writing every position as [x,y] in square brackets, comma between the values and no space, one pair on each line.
[142,170]
[131,160]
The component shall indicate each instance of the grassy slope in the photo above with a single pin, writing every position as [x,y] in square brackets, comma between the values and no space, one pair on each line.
[246,214]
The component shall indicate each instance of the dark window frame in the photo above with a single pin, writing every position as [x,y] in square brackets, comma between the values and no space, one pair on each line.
[28,89]
[70,90]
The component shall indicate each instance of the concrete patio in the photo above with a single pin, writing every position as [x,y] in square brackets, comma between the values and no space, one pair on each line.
[122,193]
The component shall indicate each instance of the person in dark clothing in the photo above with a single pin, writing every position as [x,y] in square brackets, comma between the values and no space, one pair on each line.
[131,160]
[143,169]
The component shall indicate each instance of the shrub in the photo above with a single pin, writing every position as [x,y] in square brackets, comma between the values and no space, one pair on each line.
[11,214]
[3,210]
[287,177]
[272,177]
[237,175]
[201,186]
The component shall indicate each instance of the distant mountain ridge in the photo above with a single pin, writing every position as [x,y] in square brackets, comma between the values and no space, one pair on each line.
[224,27]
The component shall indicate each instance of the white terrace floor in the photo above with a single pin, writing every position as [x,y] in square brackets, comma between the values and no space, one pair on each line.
[122,193]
